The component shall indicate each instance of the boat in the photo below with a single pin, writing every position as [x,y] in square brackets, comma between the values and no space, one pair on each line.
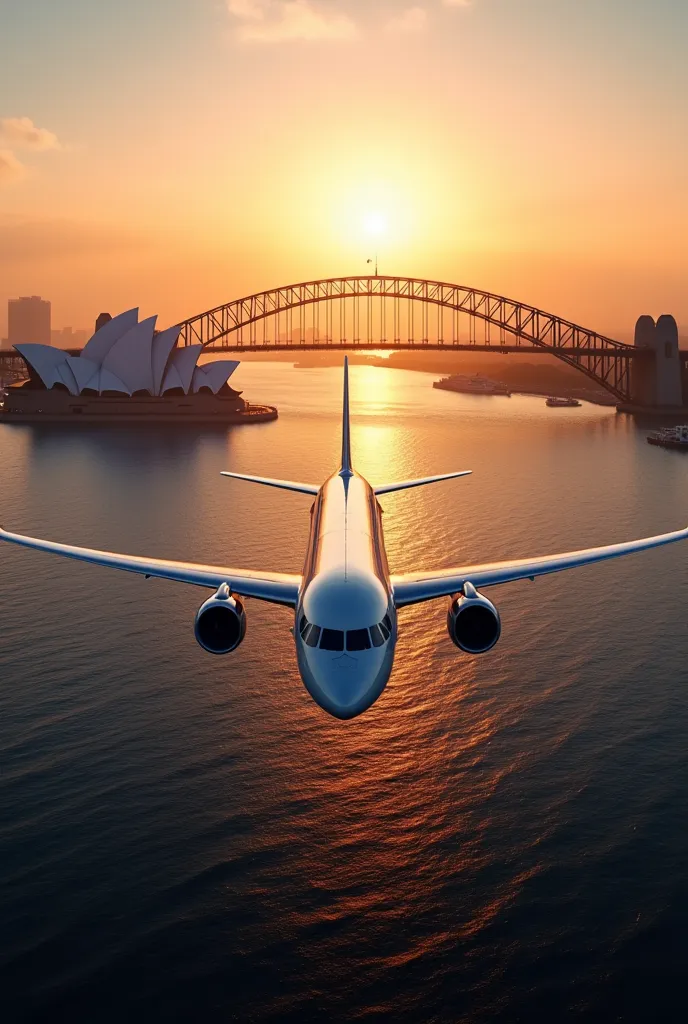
[476,385]
[675,438]
[562,403]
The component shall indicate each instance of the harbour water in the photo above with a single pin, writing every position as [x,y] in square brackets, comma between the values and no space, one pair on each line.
[184,837]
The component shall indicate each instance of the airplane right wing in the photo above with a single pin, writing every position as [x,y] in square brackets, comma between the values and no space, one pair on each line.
[413,588]
[275,587]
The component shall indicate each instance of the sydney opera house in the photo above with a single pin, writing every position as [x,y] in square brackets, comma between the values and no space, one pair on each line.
[128,371]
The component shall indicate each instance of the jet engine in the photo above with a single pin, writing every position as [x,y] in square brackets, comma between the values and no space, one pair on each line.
[472,621]
[220,624]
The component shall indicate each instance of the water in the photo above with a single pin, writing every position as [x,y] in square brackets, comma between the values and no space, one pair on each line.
[185,837]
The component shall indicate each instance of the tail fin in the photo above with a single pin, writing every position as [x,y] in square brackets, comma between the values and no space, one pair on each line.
[346,468]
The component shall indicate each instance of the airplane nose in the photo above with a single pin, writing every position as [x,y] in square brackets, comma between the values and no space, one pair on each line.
[346,688]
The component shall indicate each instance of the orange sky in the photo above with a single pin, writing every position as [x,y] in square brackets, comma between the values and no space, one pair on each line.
[191,151]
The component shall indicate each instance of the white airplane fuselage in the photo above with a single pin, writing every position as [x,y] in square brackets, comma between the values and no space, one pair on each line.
[345,629]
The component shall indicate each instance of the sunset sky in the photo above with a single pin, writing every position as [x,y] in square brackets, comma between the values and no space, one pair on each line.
[175,154]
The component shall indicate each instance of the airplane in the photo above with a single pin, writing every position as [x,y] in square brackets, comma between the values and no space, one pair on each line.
[346,601]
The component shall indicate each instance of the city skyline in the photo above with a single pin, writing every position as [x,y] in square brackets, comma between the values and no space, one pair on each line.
[536,151]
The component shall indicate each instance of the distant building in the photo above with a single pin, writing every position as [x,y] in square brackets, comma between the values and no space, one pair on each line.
[28,321]
[66,337]
[102,319]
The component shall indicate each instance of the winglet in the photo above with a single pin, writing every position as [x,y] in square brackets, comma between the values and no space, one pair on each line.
[346,469]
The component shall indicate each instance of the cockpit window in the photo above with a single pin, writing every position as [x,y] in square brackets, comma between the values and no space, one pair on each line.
[357,640]
[312,635]
[332,640]
[376,636]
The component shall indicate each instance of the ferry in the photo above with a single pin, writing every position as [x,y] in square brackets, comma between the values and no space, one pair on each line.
[476,385]
[562,403]
[670,437]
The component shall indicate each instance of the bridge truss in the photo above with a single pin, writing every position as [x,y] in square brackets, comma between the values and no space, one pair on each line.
[375,312]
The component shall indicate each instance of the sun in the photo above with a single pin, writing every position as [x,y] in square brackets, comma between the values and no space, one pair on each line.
[374,224]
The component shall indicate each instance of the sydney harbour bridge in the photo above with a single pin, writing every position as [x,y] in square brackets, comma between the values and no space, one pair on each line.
[384,312]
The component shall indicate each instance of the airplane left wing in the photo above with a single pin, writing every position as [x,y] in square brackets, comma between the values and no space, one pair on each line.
[413,588]
[277,588]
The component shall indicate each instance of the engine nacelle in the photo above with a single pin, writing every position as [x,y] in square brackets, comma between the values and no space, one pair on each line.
[473,621]
[220,624]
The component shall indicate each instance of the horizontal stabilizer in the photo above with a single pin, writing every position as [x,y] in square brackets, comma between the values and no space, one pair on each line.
[404,485]
[286,485]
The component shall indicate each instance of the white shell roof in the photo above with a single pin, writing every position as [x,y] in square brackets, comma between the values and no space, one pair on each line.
[85,372]
[68,379]
[45,360]
[97,347]
[213,375]
[108,382]
[184,362]
[128,356]
[161,349]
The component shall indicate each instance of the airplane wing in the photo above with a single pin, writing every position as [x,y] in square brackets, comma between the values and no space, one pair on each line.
[404,485]
[285,485]
[278,588]
[413,588]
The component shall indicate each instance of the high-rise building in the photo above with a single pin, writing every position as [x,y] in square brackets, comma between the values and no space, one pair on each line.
[28,320]
[67,337]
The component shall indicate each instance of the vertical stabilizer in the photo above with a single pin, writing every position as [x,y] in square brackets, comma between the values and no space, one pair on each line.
[346,469]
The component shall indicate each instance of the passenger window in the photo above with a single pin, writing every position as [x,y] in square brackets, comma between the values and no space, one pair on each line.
[312,636]
[383,629]
[332,640]
[357,640]
[376,636]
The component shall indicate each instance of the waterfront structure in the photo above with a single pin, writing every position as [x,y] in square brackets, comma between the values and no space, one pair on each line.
[412,313]
[28,320]
[128,357]
[416,314]
[127,370]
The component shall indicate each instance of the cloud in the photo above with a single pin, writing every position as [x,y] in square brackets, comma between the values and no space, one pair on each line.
[22,133]
[276,21]
[415,19]
[11,169]
[457,3]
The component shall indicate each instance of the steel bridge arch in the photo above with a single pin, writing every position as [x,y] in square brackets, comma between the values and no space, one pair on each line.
[602,359]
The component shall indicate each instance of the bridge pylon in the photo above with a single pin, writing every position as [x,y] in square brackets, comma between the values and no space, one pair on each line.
[658,380]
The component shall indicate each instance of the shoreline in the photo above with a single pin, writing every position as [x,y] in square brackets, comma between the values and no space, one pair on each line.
[255,414]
